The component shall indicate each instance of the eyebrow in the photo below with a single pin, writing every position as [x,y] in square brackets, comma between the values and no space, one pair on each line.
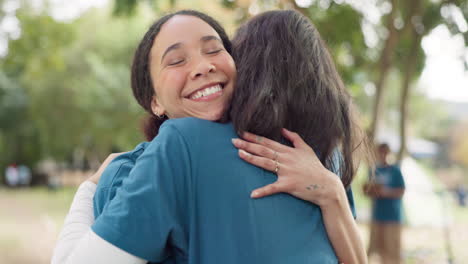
[171,47]
[208,38]
[178,44]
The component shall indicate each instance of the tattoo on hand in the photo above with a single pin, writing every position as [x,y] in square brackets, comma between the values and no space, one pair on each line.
[258,139]
[314,187]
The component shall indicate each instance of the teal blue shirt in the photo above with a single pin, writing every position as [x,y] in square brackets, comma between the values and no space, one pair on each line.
[185,198]
[388,209]
[113,176]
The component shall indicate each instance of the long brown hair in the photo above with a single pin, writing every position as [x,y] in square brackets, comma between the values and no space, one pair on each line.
[287,78]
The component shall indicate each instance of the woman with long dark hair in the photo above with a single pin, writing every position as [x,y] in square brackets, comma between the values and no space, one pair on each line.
[186,200]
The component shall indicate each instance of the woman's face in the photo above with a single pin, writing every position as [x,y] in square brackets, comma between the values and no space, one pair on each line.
[192,73]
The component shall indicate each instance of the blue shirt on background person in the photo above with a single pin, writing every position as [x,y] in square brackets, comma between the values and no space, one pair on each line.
[185,198]
[388,209]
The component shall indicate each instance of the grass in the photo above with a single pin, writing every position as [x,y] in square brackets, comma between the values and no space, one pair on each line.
[30,220]
[41,199]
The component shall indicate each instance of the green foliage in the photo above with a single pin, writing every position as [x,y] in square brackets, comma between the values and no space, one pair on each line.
[228,3]
[65,89]
[125,7]
[340,27]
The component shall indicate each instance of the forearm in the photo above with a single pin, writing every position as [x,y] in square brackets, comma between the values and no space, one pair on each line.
[342,229]
[77,223]
[391,193]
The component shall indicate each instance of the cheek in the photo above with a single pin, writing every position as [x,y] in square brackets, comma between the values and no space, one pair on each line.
[177,77]
[226,63]
[169,82]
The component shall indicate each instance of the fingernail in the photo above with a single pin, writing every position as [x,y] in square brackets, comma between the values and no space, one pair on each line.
[254,194]
[243,152]
[234,140]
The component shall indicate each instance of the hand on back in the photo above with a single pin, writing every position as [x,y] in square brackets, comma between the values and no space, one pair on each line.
[300,172]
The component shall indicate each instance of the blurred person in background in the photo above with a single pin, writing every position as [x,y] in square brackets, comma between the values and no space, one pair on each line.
[24,175]
[386,191]
[460,192]
[12,175]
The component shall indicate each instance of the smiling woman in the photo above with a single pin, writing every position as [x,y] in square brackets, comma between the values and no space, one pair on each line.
[171,72]
[192,71]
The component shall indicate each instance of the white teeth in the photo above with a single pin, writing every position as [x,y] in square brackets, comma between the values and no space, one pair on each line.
[207,91]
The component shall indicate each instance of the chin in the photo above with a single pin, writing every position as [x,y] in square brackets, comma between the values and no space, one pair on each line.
[214,117]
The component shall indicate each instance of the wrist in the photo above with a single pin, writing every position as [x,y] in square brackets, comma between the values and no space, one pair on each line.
[334,193]
[387,192]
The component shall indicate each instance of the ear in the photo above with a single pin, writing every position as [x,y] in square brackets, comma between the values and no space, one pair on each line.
[157,108]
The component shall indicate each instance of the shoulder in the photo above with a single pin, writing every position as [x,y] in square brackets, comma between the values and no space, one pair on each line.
[113,176]
[119,167]
[188,125]
[187,122]
[173,139]
[397,176]
[190,129]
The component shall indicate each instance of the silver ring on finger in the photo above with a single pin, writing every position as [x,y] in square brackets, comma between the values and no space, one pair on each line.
[277,167]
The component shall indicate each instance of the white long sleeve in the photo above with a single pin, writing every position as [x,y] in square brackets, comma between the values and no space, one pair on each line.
[77,243]
[92,249]
[77,223]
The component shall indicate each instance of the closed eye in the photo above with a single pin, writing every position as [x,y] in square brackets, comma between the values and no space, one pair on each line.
[214,51]
[176,62]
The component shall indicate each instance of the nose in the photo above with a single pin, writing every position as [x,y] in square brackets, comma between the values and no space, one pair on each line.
[202,68]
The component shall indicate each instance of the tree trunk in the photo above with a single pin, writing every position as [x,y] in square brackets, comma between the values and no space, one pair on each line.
[384,67]
[172,4]
[409,70]
[405,91]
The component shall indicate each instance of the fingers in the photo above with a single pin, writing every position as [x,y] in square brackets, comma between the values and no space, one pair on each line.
[112,156]
[297,141]
[264,163]
[108,160]
[267,190]
[255,149]
[265,142]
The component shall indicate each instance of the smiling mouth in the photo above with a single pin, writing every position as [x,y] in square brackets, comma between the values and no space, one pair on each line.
[206,92]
